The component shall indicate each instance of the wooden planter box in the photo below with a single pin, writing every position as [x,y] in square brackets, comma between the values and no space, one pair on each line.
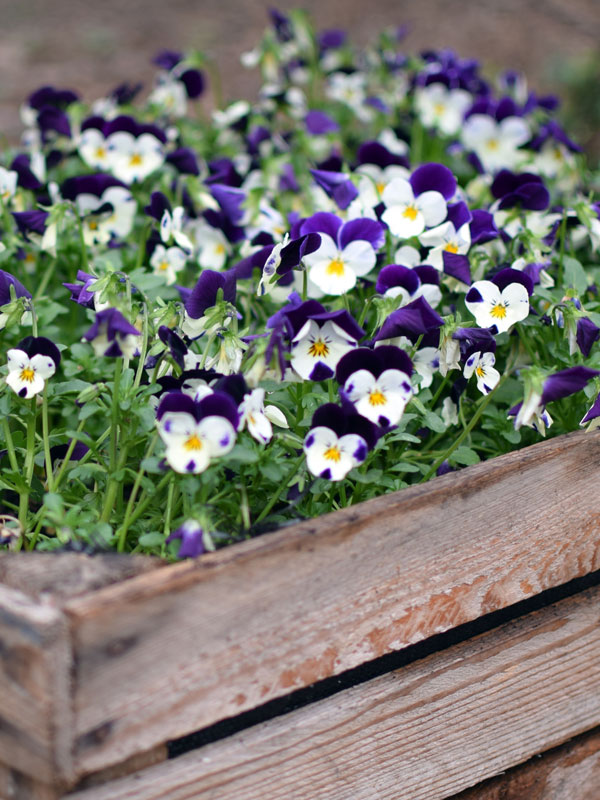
[106,662]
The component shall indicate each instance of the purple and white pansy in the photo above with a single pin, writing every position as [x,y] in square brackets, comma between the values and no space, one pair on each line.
[420,202]
[496,139]
[106,206]
[481,364]
[30,364]
[532,411]
[337,441]
[377,382]
[320,339]
[191,536]
[452,237]
[195,433]
[112,335]
[501,302]
[129,149]
[347,251]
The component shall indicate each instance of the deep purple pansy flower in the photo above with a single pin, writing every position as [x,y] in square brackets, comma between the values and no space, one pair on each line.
[526,190]
[112,335]
[337,185]
[192,539]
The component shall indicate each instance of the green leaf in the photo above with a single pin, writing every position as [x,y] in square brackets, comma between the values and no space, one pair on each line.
[574,275]
[405,466]
[152,539]
[243,455]
[434,422]
[464,455]
[53,502]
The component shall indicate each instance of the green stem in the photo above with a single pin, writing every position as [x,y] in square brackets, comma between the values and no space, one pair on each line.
[145,500]
[467,430]
[170,502]
[46,275]
[28,467]
[113,485]
[132,497]
[144,350]
[283,486]
[10,445]
[83,247]
[46,440]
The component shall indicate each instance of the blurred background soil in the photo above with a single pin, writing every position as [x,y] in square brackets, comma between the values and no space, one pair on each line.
[93,46]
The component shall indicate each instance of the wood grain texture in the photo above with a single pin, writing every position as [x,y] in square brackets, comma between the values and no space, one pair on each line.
[59,576]
[164,654]
[423,732]
[569,772]
[35,692]
[16,786]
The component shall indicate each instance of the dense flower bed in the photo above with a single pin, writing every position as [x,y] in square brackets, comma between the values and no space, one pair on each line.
[213,324]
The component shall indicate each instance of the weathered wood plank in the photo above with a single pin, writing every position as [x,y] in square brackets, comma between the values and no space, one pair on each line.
[423,732]
[36,727]
[59,576]
[164,654]
[569,772]
[16,786]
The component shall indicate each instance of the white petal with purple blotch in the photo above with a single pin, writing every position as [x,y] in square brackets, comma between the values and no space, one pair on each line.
[218,433]
[330,456]
[500,308]
[314,344]
[482,365]
[379,399]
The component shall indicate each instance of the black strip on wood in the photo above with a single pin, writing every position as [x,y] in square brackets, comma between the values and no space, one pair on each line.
[380,666]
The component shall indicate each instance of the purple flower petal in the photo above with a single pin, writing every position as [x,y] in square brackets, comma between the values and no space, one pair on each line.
[318,123]
[204,293]
[457,266]
[587,334]
[566,382]
[433,177]
[365,229]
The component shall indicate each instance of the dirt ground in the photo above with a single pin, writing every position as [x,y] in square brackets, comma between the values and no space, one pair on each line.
[91,47]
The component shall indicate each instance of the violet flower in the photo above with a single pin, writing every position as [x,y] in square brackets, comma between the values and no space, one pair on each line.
[112,335]
[192,539]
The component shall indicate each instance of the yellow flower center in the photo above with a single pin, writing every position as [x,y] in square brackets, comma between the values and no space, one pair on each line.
[410,212]
[380,187]
[439,108]
[480,372]
[498,311]
[193,443]
[219,249]
[135,160]
[492,144]
[335,267]
[318,348]
[332,454]
[451,248]
[93,225]
[27,374]
[163,266]
[376,398]
[100,152]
